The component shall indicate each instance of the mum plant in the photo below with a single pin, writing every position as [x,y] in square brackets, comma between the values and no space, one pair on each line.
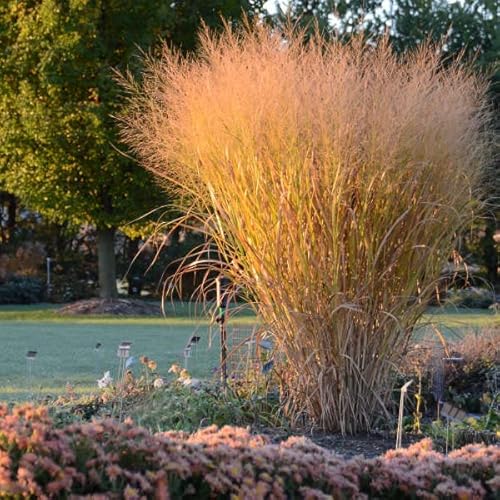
[107,459]
[333,179]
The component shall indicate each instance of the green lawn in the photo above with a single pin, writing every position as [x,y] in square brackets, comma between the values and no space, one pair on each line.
[455,323]
[66,352]
[66,345]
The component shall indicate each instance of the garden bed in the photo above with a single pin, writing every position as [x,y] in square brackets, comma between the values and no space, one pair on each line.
[119,460]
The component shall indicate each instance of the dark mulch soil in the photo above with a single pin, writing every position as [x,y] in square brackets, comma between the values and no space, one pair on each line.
[370,445]
[116,307]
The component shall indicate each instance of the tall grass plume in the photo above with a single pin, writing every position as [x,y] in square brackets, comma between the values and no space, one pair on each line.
[333,179]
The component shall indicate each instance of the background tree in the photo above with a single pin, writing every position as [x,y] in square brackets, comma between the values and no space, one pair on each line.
[57,135]
[342,17]
[469,28]
[8,209]
[182,22]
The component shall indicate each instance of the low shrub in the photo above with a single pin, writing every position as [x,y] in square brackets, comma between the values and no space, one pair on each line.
[70,287]
[464,374]
[185,409]
[26,261]
[474,383]
[120,460]
[468,380]
[22,290]
[171,406]
[471,298]
[452,435]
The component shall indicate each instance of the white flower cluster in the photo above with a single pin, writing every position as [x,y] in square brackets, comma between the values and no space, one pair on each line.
[105,381]
[158,383]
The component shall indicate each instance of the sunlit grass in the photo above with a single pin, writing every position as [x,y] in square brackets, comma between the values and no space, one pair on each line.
[455,323]
[176,313]
[66,351]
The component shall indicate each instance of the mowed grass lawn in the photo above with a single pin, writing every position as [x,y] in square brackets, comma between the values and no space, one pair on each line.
[67,354]
[66,347]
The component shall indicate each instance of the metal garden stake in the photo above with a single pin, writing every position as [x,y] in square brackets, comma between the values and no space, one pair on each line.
[30,358]
[221,319]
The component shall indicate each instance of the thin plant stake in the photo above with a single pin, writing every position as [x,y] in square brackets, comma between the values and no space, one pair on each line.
[221,319]
[30,358]
[399,434]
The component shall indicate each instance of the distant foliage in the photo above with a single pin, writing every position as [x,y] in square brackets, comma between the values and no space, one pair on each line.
[123,461]
[27,261]
[471,298]
[22,291]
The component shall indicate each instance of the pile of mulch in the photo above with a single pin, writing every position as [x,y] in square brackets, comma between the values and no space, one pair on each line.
[114,307]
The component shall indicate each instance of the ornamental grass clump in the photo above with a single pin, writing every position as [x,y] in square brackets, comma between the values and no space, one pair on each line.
[333,179]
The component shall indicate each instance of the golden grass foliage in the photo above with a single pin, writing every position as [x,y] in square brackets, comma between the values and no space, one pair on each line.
[333,179]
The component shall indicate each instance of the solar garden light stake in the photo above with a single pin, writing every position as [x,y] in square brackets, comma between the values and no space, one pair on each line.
[449,412]
[399,433]
[190,346]
[123,353]
[30,358]
[187,355]
[452,414]
[448,436]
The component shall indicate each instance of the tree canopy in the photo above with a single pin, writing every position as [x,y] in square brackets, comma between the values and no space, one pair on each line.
[58,144]
[468,29]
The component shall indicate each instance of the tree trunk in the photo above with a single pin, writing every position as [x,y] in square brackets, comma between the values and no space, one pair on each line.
[106,263]
[8,210]
[11,214]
